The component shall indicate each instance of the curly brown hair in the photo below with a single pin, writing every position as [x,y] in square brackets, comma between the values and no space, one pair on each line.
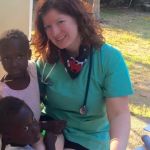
[75,8]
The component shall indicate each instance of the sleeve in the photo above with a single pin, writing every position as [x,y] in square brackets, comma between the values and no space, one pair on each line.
[117,81]
[42,86]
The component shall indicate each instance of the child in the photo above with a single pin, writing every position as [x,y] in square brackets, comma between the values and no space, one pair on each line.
[21,78]
[18,126]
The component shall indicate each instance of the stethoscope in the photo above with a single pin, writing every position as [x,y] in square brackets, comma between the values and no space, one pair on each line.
[83,109]
[45,79]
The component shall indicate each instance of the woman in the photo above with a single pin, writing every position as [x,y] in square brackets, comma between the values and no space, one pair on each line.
[85,81]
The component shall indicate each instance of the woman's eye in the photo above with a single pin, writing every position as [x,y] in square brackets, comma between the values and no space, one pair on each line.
[61,21]
[47,27]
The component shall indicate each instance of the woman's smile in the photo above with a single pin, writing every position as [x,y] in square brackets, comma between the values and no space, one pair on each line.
[60,39]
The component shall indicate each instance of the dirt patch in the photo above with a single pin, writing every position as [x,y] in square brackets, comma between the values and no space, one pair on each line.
[137,125]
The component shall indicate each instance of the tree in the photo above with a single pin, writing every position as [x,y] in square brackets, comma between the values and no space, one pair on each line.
[96,9]
[94,6]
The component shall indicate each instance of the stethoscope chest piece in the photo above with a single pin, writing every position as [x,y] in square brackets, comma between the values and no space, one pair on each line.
[83,110]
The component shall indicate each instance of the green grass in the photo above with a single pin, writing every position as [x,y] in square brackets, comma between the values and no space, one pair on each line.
[130,32]
[140,110]
[129,20]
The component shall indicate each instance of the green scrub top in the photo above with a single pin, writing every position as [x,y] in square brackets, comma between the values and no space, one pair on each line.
[65,96]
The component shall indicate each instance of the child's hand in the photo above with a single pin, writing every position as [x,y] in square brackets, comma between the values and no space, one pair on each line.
[54,126]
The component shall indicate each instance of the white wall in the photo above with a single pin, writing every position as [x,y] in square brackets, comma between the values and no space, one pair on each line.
[2,72]
[16,14]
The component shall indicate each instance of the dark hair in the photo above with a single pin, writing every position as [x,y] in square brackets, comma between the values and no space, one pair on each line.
[86,26]
[9,108]
[8,36]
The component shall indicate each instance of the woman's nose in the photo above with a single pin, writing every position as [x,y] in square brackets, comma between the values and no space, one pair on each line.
[55,30]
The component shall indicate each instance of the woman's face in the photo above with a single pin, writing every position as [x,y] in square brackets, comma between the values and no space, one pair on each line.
[62,30]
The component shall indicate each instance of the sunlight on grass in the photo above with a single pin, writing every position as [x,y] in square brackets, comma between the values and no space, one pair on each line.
[129,31]
[136,51]
[143,111]
[134,48]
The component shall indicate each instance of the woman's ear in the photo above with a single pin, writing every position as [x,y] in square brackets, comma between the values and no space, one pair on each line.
[29,54]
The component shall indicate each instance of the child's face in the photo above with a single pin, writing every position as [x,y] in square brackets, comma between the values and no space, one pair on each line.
[14,59]
[24,129]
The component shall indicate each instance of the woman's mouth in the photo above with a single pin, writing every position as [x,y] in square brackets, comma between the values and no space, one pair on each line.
[61,38]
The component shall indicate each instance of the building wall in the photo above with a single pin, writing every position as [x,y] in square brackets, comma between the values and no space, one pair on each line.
[15,14]
[2,72]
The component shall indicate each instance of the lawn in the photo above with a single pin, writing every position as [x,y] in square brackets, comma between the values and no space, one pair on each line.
[129,31]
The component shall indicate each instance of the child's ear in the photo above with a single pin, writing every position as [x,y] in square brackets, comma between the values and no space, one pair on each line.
[29,54]
[3,145]
[6,139]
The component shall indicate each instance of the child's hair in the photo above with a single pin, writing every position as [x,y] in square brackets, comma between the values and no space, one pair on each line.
[8,36]
[9,108]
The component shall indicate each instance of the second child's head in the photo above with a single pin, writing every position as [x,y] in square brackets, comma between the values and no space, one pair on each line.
[17,123]
[14,52]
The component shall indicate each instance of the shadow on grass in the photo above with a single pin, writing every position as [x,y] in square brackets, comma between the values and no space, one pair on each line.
[140,117]
[127,20]
[130,60]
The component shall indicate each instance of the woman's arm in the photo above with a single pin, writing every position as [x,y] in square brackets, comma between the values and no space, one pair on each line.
[119,118]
